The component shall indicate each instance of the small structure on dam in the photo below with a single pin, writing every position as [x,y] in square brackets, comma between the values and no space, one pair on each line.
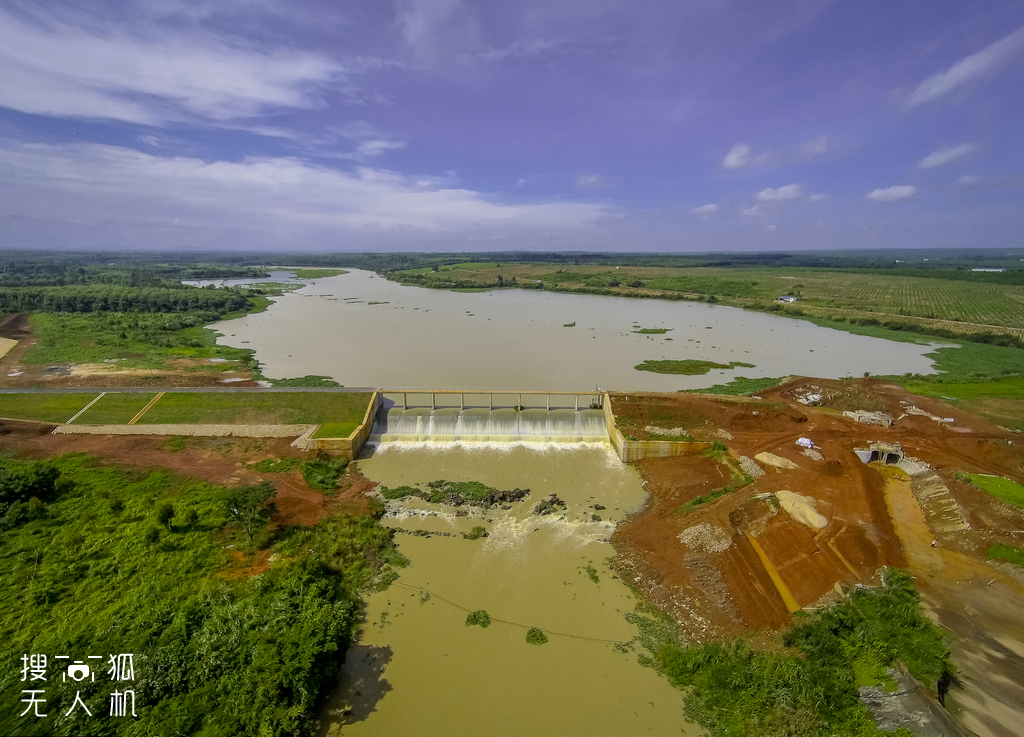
[489,417]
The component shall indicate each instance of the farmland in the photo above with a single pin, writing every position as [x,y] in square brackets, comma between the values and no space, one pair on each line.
[961,302]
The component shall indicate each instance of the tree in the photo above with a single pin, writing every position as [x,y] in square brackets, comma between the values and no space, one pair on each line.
[164,514]
[248,505]
[191,518]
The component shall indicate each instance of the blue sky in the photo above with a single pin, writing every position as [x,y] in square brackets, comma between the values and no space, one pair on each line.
[460,126]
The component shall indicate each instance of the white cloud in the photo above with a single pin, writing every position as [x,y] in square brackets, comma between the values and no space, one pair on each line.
[751,211]
[817,198]
[704,211]
[816,146]
[595,181]
[969,69]
[65,71]
[892,194]
[781,194]
[945,156]
[976,182]
[770,228]
[274,195]
[741,156]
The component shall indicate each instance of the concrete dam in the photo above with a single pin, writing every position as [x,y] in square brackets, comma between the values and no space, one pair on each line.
[489,417]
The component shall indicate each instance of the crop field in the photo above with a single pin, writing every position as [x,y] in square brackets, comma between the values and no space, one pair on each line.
[115,408]
[269,408]
[43,407]
[973,302]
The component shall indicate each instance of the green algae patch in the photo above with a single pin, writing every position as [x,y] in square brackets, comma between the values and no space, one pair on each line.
[479,617]
[688,367]
[536,637]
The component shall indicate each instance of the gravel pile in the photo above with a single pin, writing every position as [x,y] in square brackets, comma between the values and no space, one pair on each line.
[750,467]
[706,537]
[813,454]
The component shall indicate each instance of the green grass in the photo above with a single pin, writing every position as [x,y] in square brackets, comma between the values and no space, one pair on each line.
[43,407]
[137,340]
[1007,490]
[336,429]
[652,331]
[687,367]
[216,652]
[323,473]
[115,409]
[310,381]
[739,385]
[1009,553]
[258,408]
[316,273]
[275,465]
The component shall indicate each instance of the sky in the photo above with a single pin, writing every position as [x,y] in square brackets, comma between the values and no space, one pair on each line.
[451,125]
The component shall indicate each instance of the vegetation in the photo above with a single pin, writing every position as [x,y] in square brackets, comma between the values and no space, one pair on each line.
[1007,490]
[1010,553]
[215,652]
[250,506]
[316,273]
[733,690]
[687,367]
[274,465]
[335,429]
[314,381]
[323,473]
[43,407]
[115,408]
[479,618]
[739,385]
[440,491]
[652,331]
[258,408]
[535,636]
[97,298]
[476,533]
[131,340]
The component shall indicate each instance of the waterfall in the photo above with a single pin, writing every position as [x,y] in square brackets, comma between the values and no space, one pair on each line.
[453,425]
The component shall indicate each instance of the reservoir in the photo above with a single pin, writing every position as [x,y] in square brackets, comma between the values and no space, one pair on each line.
[363,330]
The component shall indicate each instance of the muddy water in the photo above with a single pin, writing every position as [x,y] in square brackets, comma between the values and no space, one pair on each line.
[363,330]
[419,669]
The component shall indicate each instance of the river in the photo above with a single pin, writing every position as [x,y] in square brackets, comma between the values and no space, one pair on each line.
[420,669]
[363,330]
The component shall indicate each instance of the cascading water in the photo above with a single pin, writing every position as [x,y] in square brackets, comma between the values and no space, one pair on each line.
[453,425]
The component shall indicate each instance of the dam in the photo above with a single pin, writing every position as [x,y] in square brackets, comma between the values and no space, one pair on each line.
[489,417]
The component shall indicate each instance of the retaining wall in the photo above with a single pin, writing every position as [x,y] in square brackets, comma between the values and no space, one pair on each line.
[349,447]
[634,450]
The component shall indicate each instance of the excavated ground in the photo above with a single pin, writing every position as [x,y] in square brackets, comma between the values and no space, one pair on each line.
[718,584]
[217,460]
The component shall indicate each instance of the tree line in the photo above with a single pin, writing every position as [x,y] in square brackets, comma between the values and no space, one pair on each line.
[101,298]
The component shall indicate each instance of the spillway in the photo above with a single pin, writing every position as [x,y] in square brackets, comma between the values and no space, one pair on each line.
[481,425]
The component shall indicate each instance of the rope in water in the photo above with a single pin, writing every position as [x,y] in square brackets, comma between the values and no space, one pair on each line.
[506,621]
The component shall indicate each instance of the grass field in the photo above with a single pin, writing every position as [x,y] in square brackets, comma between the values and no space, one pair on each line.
[43,407]
[1005,489]
[115,409]
[316,273]
[1009,553]
[270,408]
[335,429]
